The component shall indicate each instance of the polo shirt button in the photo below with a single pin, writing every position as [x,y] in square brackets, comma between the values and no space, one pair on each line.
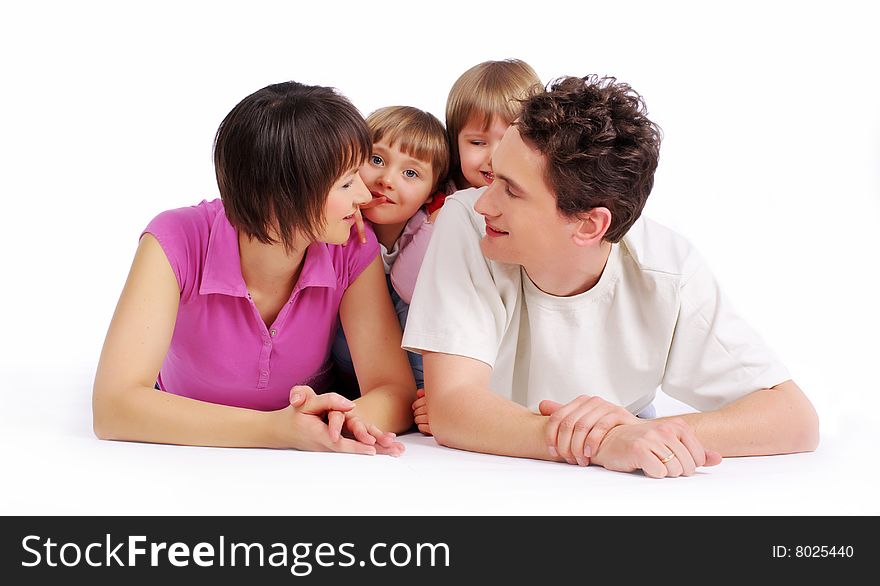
[274,331]
[264,372]
[267,343]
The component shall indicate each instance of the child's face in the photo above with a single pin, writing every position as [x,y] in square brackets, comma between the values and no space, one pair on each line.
[475,148]
[403,182]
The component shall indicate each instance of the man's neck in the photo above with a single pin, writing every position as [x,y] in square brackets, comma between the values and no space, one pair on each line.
[572,275]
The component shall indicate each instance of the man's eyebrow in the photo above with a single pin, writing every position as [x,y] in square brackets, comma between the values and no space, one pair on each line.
[510,182]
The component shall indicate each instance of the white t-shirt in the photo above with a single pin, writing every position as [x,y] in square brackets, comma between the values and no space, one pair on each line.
[656,318]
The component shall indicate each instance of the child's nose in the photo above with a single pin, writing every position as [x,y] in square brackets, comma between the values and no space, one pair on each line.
[386,179]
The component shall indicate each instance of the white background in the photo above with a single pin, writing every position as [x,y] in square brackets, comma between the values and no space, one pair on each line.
[770,165]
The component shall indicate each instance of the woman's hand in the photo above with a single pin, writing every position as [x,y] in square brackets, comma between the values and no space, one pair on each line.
[366,433]
[301,425]
[341,416]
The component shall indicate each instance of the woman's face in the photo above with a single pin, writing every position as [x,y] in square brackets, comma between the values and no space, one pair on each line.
[346,194]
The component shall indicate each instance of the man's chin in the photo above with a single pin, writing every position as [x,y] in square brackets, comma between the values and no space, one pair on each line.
[492,252]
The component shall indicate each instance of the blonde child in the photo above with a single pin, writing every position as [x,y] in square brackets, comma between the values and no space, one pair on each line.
[409,161]
[482,104]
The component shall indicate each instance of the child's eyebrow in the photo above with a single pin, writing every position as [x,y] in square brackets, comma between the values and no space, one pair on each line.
[417,163]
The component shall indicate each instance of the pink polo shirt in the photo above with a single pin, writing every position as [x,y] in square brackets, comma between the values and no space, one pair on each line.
[221,350]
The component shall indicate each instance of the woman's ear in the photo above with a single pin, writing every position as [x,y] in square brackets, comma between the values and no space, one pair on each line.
[591,226]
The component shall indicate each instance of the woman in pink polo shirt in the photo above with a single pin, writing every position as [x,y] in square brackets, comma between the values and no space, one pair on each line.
[231,305]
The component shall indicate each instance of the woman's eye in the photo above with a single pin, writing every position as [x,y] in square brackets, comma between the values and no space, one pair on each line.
[376,160]
[478,143]
[410,173]
[349,184]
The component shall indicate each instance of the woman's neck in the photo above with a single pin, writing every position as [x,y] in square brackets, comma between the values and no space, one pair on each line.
[270,267]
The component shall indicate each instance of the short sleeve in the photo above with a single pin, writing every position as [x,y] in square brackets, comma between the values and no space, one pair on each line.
[176,239]
[359,256]
[715,356]
[456,307]
[405,270]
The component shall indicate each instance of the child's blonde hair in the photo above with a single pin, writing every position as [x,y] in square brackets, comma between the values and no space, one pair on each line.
[416,133]
[487,90]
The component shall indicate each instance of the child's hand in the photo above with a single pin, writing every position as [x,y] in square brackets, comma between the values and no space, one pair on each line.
[359,226]
[575,430]
[420,412]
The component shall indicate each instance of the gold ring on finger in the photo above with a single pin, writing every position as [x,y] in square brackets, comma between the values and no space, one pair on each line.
[667,458]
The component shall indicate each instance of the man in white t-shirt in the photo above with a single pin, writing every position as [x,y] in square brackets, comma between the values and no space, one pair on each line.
[548,312]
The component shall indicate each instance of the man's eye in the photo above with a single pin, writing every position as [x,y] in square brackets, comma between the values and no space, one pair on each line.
[410,173]
[508,192]
[376,160]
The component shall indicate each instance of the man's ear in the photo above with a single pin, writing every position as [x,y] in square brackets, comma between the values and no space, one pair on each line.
[591,226]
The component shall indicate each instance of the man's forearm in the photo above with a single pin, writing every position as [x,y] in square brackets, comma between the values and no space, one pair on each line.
[780,420]
[478,420]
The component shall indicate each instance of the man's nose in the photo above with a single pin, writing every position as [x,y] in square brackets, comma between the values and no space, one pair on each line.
[485,204]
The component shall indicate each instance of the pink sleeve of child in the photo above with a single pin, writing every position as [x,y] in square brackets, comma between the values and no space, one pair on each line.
[405,269]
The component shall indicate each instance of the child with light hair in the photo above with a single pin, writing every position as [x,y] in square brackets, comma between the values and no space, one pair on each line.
[408,163]
[482,104]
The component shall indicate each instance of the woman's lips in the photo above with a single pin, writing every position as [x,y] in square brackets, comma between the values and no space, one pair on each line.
[488,176]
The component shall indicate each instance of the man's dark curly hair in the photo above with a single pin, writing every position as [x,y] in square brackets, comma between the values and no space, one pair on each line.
[601,149]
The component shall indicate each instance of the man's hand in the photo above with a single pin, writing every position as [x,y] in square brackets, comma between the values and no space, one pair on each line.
[575,430]
[661,448]
[420,412]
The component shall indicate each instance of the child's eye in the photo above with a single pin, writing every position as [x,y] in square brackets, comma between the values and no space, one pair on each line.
[410,173]
[377,160]
[478,143]
[349,184]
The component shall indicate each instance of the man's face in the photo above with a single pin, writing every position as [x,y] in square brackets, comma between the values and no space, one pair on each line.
[523,225]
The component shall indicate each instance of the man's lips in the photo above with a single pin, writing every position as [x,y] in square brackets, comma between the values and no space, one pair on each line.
[494,232]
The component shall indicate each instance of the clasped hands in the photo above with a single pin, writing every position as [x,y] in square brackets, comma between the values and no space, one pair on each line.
[591,429]
[330,423]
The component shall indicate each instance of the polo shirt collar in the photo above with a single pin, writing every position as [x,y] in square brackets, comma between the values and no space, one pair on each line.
[222,273]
